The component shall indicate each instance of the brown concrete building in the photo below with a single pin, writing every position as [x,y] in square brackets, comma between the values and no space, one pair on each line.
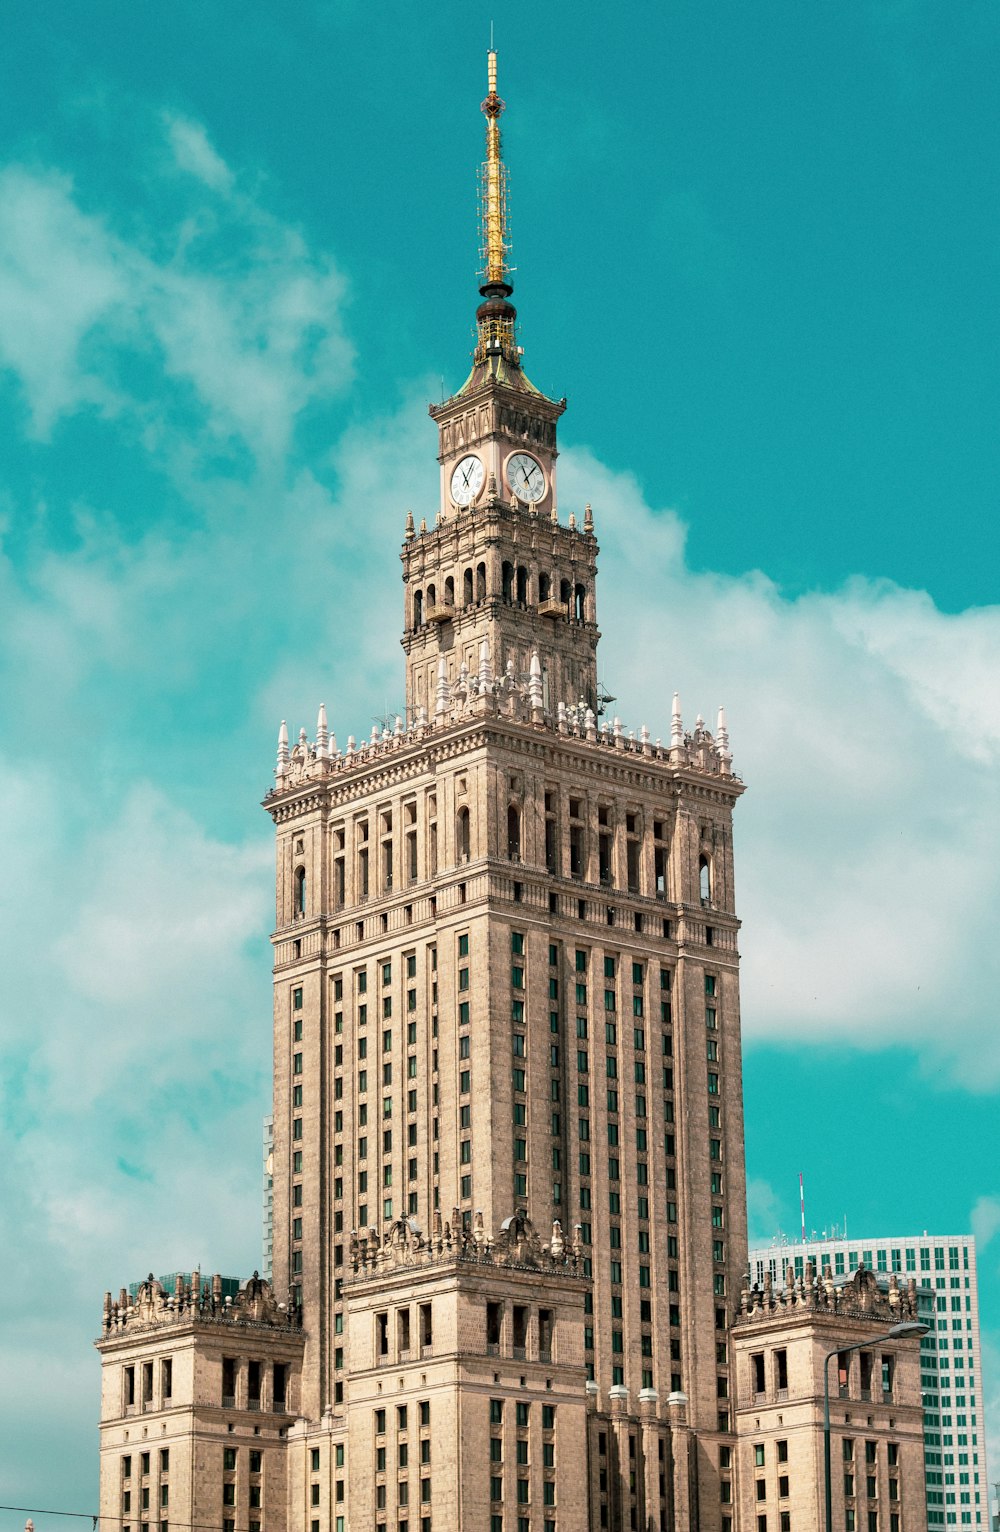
[198,1394]
[782,1339]
[506,982]
[505,955]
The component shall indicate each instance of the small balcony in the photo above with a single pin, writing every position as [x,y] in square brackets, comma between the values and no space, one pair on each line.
[552,608]
[441,611]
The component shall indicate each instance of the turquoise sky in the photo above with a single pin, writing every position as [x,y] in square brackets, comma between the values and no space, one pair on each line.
[757,247]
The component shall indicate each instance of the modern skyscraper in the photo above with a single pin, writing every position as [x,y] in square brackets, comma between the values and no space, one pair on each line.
[507,1193]
[950,1355]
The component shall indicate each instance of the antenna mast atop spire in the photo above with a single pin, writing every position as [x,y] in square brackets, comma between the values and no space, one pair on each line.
[494,186]
[496,316]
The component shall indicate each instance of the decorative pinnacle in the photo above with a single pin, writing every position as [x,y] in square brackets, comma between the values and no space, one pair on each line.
[496,315]
[494,184]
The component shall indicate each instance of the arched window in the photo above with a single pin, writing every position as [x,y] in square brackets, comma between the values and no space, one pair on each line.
[300,891]
[544,586]
[565,593]
[431,596]
[449,592]
[467,587]
[522,585]
[514,832]
[418,608]
[480,582]
[508,582]
[580,603]
[462,834]
[705,879]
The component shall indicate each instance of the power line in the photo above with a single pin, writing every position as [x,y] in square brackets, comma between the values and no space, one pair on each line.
[95,1518]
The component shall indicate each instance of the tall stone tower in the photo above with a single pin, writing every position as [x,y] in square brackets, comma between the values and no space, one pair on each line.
[506,984]
[507,1175]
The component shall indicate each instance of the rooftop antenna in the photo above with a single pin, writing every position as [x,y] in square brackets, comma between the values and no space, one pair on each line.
[802,1205]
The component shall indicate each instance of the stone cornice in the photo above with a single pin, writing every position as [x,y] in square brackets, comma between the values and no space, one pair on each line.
[328,783]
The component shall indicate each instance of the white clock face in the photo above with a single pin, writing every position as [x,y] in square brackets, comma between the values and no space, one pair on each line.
[467,480]
[525,477]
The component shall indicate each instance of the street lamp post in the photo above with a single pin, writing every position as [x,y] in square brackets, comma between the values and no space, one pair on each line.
[902,1331]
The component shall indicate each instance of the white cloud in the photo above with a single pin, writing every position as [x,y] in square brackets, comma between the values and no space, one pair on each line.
[985,1221]
[234,310]
[195,155]
[765,1211]
[865,725]
[60,276]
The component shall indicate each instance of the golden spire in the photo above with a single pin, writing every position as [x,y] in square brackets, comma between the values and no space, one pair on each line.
[496,315]
[494,185]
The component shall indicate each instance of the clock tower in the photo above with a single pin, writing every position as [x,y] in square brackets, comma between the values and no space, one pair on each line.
[498,569]
[509,1200]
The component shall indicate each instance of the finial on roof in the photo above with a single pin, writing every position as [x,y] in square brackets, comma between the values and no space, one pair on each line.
[494,210]
[676,724]
[535,684]
[283,755]
[410,533]
[485,668]
[322,730]
[441,700]
[588,519]
[496,315]
[722,741]
[423,523]
[572,521]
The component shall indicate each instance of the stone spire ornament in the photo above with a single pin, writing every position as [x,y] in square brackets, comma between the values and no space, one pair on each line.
[441,698]
[676,724]
[535,687]
[283,753]
[322,731]
[722,742]
[485,668]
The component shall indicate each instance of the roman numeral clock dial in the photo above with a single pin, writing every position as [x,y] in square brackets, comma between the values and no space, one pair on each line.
[525,477]
[467,480]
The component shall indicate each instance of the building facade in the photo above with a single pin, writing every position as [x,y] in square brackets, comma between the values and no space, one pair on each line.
[506,1199]
[506,972]
[785,1338]
[198,1392]
[950,1355]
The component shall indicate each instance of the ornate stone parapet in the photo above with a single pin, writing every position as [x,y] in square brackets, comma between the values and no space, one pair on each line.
[516,1247]
[152,1306]
[477,695]
[861,1297]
